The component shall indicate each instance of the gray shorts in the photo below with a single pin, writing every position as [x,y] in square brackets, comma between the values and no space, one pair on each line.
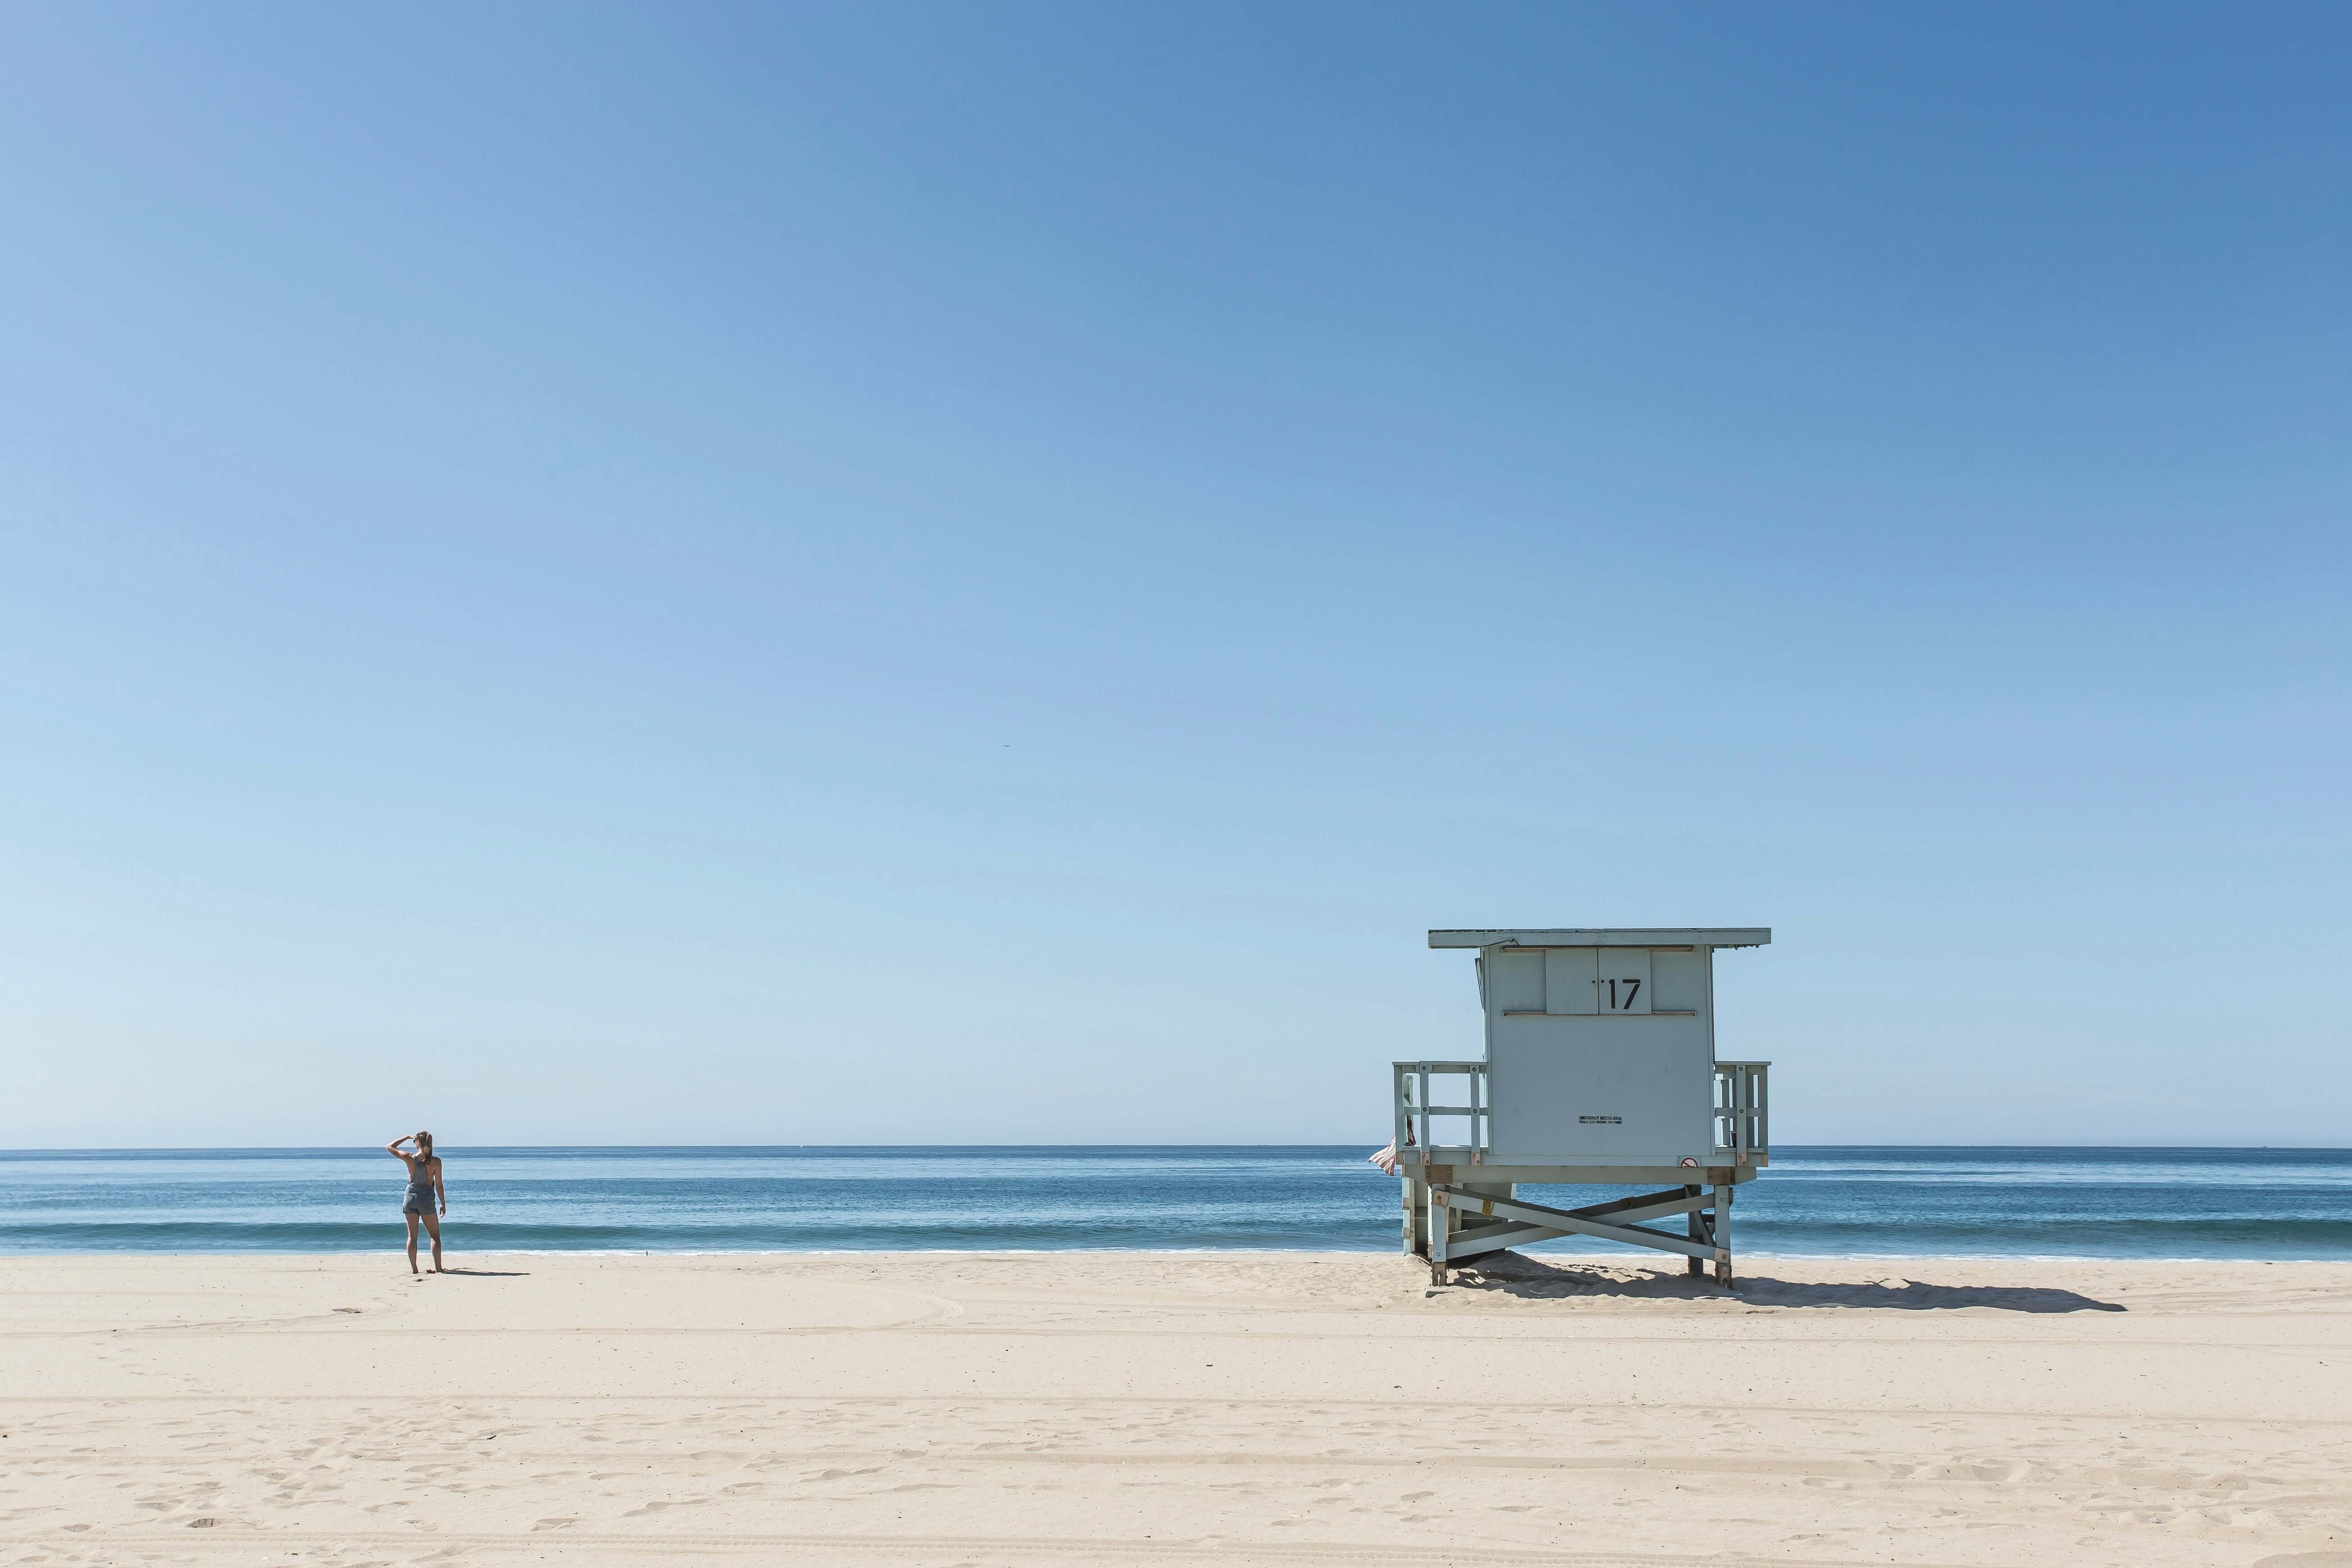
[416,1202]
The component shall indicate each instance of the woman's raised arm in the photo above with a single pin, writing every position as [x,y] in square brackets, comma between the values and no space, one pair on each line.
[394,1148]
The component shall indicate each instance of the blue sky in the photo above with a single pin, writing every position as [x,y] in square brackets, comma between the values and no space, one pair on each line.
[984,574]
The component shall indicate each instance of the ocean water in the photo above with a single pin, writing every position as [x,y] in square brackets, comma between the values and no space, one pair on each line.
[2283,1204]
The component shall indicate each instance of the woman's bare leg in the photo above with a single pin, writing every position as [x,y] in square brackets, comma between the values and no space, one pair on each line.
[434,1226]
[412,1241]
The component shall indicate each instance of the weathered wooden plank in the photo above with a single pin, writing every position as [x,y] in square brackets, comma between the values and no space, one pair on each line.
[1567,1222]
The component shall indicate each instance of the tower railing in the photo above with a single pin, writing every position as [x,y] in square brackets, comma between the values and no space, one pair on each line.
[1742,1110]
[1415,1109]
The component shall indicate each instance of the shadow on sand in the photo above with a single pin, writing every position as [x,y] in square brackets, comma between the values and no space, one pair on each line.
[1511,1274]
[489,1273]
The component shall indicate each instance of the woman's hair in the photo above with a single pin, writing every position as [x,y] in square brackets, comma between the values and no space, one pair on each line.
[424,1145]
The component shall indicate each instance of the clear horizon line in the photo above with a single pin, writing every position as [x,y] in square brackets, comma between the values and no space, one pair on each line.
[456,1148]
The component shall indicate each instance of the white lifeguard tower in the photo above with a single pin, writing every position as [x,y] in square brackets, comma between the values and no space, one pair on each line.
[1601,1069]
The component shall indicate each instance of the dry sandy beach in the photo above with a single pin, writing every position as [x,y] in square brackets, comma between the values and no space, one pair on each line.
[1235,1408]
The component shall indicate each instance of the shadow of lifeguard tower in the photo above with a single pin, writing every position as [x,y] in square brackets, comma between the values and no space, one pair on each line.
[1599,1070]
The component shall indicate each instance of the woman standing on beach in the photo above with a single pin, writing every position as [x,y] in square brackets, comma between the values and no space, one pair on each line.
[423,1187]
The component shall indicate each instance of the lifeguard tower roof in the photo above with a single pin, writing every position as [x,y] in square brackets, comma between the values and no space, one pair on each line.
[1629,936]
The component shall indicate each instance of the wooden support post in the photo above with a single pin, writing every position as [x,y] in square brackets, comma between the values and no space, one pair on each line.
[1697,1231]
[1441,1228]
[1723,1237]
